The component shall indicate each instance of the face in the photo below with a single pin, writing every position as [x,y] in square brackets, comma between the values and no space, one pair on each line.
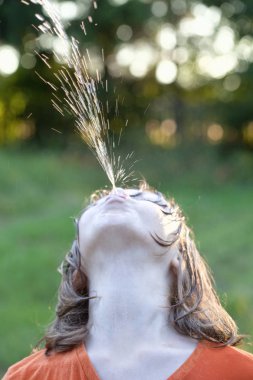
[125,218]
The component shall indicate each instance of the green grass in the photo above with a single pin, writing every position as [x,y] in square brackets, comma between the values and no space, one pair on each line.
[40,193]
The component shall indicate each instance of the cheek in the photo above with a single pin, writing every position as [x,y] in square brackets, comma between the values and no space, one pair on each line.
[150,215]
[171,227]
[86,226]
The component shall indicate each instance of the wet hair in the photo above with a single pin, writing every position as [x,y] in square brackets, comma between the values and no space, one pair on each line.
[195,309]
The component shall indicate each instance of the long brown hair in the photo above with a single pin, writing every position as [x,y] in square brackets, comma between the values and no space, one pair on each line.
[195,309]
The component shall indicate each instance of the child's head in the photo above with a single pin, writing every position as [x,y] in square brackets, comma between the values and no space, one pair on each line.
[142,216]
[139,223]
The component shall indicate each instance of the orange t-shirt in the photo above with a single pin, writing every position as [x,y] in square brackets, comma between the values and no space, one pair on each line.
[205,363]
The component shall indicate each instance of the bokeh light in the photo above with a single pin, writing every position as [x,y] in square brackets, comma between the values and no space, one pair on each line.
[124,33]
[28,61]
[61,48]
[248,133]
[202,22]
[224,41]
[162,133]
[125,55]
[159,8]
[9,60]
[180,55]
[166,37]
[178,7]
[71,10]
[166,71]
[68,10]
[137,57]
[232,82]
[244,48]
[215,132]
[118,2]
[216,66]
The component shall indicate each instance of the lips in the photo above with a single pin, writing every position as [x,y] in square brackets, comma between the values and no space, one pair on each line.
[115,199]
[113,205]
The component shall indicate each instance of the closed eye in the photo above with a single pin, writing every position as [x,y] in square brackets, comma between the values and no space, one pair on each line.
[166,210]
[163,207]
[137,194]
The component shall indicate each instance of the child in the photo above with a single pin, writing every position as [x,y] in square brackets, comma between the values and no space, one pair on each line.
[136,301]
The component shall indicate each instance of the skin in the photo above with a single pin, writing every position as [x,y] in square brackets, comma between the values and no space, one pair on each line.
[130,336]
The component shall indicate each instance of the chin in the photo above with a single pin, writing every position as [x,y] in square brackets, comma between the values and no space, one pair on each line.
[113,231]
[114,216]
[114,224]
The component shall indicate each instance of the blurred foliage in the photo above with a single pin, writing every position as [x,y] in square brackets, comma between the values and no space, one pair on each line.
[194,101]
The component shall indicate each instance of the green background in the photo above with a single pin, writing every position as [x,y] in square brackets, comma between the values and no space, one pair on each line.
[46,177]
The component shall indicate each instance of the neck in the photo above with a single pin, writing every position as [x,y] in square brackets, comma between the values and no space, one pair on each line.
[132,304]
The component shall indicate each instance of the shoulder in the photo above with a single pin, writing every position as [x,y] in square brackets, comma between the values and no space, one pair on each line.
[227,362]
[39,366]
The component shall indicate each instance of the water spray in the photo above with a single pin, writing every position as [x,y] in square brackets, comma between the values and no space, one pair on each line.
[80,91]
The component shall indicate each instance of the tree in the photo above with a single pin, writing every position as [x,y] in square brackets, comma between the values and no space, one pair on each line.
[167,60]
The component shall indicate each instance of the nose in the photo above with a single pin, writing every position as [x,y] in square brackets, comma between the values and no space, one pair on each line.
[120,192]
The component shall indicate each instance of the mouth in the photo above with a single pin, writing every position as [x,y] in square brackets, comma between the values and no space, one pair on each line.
[115,198]
[114,205]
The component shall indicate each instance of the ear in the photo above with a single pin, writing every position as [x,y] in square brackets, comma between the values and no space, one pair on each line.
[174,264]
[79,281]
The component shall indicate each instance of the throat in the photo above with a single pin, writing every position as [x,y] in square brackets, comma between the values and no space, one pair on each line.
[129,333]
[131,310]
